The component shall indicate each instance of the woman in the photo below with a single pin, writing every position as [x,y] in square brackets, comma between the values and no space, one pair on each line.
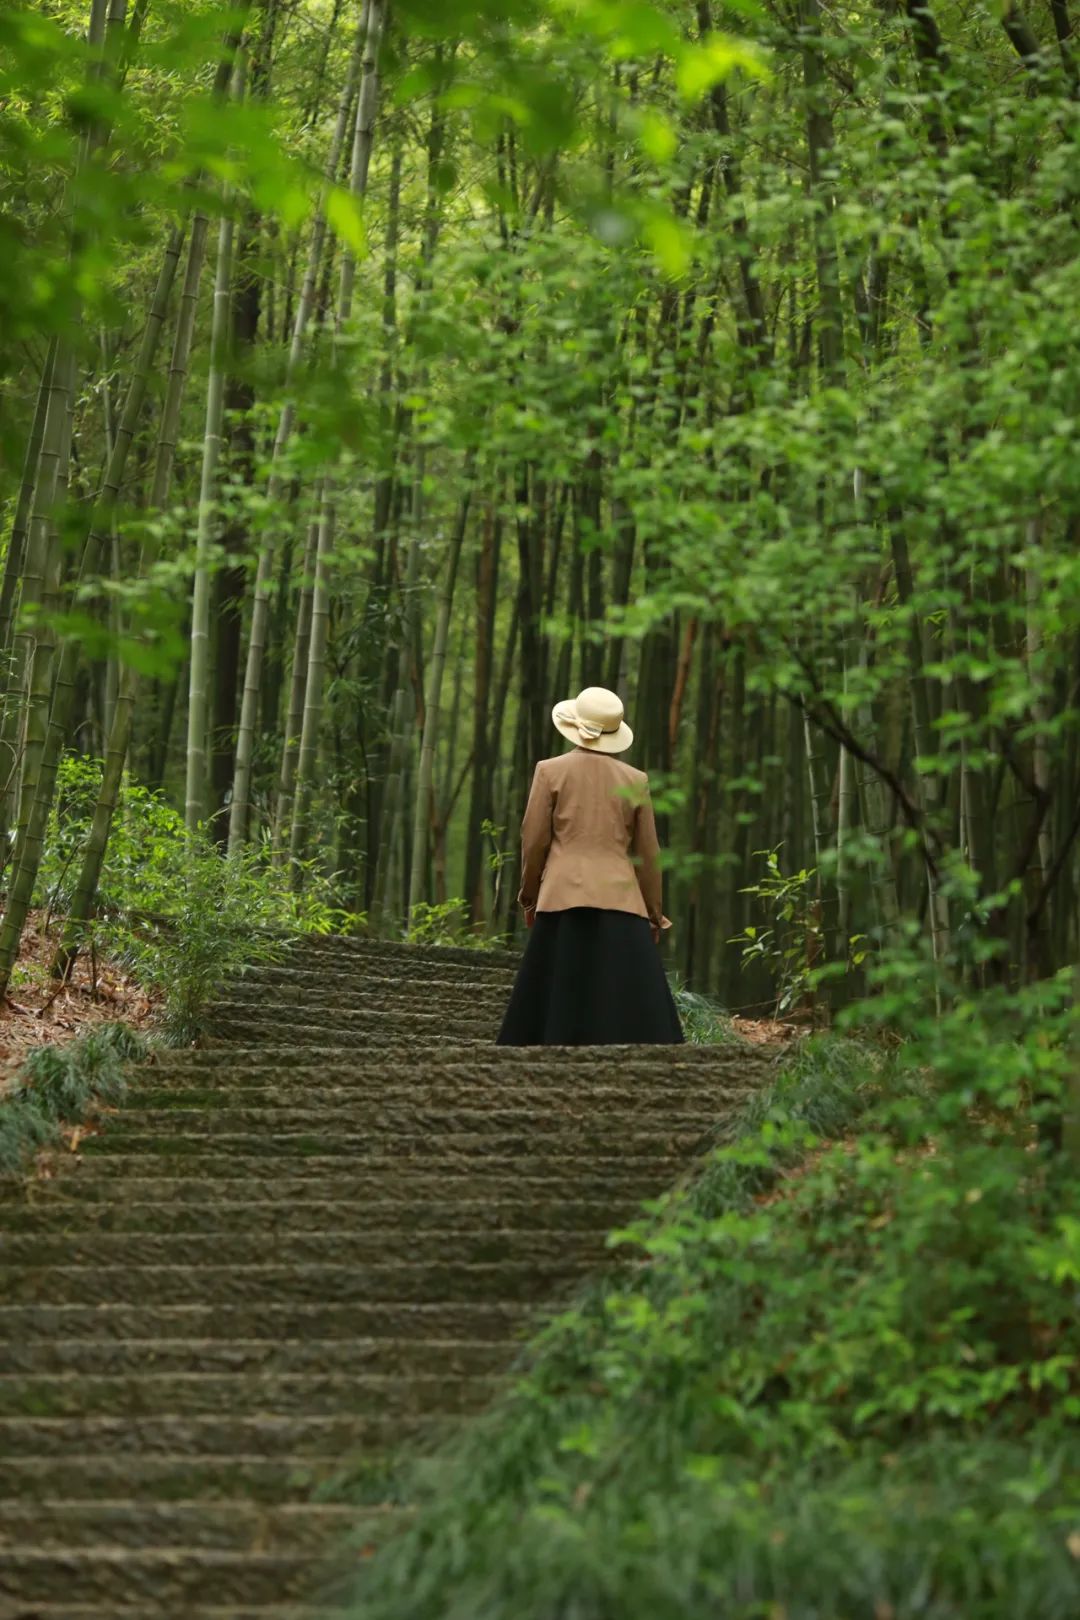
[590,891]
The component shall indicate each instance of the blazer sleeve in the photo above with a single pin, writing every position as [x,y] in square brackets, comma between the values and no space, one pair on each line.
[646,852]
[535,838]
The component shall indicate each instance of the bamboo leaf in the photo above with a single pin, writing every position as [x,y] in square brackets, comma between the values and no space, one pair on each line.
[345,217]
[713,59]
[670,240]
[657,137]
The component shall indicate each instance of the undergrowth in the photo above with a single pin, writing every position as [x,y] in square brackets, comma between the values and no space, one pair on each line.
[447,922]
[838,1381]
[219,921]
[170,909]
[704,1023]
[57,1085]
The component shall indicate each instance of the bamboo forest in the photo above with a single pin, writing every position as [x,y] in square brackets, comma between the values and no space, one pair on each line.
[376,375]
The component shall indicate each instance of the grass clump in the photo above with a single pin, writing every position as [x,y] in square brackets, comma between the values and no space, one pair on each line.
[840,1384]
[704,1022]
[57,1085]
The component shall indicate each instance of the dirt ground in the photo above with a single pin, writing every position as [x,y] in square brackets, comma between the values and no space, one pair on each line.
[768,1031]
[38,1012]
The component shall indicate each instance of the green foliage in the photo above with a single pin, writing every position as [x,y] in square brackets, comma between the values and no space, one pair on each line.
[181,916]
[58,1085]
[843,1382]
[793,948]
[144,857]
[497,856]
[447,923]
[703,1022]
[794,944]
[215,925]
[55,90]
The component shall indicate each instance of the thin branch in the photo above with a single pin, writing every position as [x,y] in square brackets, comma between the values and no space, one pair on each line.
[834,725]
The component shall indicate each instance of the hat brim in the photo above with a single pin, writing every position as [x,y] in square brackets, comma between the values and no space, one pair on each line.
[610,742]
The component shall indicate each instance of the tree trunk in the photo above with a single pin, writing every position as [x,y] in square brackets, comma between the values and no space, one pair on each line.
[245,740]
[481,808]
[48,741]
[433,697]
[41,576]
[195,791]
[16,551]
[13,659]
[363,139]
[230,578]
[819,145]
[294,719]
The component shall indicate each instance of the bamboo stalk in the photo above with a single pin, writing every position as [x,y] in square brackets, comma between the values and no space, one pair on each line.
[16,550]
[13,659]
[260,613]
[38,638]
[433,696]
[399,718]
[195,787]
[294,718]
[363,141]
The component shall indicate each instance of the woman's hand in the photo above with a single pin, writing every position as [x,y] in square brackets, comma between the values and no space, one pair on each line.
[530,916]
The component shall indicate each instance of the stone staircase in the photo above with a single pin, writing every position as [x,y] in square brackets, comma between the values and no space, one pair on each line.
[289,1256]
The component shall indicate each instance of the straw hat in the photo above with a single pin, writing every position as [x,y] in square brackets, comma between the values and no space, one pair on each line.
[594,720]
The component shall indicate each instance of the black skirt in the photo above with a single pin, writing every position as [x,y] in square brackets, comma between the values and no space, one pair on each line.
[590,978]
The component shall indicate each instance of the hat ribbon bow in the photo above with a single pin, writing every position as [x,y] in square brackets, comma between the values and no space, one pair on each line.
[587,728]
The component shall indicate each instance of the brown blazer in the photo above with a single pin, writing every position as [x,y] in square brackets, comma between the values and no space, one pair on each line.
[588,838]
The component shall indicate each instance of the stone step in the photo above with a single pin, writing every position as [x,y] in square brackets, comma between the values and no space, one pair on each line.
[387,995]
[270,1012]
[278,1322]
[192,1611]
[404,1283]
[468,1014]
[405,1358]
[295,980]
[217,1178]
[475,967]
[316,948]
[483,1067]
[384,1396]
[555,1207]
[561,1063]
[710,1100]
[328,1438]
[165,1477]
[575,1141]
[375,1246]
[411,1098]
[393,1029]
[421,977]
[160,1581]
[377,968]
[371,1118]
[237,1525]
[369,1031]
[341,989]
